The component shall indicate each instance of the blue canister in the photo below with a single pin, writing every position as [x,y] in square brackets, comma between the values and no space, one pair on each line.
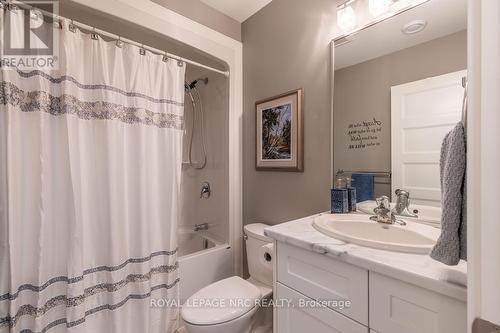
[339,199]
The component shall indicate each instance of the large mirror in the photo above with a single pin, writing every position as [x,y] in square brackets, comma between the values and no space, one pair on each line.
[398,90]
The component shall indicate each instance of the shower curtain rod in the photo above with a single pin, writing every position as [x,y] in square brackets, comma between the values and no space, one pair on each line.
[97,31]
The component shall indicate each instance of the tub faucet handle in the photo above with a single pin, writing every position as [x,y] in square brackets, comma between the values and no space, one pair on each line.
[205,190]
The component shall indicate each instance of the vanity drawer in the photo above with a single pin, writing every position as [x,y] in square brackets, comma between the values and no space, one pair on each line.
[324,278]
[396,307]
[298,318]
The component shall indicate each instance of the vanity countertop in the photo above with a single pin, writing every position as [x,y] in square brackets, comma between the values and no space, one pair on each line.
[416,269]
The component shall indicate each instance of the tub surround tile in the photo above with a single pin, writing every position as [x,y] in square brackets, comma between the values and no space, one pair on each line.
[417,269]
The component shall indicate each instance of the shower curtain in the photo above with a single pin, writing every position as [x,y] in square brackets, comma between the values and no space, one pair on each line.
[90,162]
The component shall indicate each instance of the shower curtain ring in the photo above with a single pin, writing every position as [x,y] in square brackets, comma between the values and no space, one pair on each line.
[58,23]
[10,6]
[119,42]
[180,62]
[94,35]
[72,27]
[165,57]
[142,50]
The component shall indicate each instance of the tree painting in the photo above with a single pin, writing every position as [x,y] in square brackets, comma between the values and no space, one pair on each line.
[276,132]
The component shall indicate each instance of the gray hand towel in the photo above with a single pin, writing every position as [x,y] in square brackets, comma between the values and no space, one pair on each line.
[452,244]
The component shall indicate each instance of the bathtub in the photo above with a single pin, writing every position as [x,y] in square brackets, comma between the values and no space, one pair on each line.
[202,260]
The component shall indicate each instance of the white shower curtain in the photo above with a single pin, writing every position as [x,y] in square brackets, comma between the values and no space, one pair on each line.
[90,161]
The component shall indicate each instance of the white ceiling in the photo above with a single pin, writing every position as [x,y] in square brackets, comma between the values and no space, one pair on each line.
[444,17]
[239,10]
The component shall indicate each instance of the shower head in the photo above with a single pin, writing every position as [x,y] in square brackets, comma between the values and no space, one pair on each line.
[193,84]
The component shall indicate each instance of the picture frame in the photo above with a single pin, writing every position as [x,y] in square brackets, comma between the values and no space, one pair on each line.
[279,132]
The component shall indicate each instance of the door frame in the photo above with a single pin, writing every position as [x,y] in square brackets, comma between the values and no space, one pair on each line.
[483,161]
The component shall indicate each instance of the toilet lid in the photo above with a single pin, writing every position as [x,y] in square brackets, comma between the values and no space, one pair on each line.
[220,302]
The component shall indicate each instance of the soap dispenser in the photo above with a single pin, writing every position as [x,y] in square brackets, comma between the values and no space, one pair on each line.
[339,197]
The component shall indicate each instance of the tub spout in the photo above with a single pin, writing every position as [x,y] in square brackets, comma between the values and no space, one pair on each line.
[201,226]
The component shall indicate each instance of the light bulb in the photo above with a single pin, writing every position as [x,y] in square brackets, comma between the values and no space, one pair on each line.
[379,7]
[401,4]
[346,18]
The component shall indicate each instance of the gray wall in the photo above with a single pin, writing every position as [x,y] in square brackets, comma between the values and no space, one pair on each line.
[215,209]
[286,46]
[204,14]
[362,92]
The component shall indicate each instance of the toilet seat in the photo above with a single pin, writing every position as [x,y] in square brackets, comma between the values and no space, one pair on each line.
[221,302]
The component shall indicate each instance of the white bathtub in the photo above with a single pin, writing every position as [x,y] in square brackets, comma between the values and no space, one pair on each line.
[202,260]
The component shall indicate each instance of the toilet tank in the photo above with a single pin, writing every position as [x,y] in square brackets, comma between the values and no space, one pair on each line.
[260,260]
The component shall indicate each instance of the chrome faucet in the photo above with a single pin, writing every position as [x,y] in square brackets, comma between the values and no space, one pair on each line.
[383,212]
[402,204]
[201,226]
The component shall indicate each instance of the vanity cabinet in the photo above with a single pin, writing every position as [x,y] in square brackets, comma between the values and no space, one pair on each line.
[296,318]
[396,306]
[378,304]
[322,278]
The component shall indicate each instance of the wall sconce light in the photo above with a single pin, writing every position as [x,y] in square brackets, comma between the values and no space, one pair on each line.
[402,4]
[379,7]
[355,15]
[346,17]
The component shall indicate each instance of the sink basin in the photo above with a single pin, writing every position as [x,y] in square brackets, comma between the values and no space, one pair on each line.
[426,214]
[359,229]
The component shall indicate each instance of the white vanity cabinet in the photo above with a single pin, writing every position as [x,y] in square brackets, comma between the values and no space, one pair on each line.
[297,318]
[379,304]
[396,306]
[323,278]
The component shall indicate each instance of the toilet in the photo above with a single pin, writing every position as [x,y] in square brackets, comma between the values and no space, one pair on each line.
[232,305]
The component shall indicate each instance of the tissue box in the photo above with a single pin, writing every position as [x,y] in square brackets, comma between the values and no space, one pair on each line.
[339,201]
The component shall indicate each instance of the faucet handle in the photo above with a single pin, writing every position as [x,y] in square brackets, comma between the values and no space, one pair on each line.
[206,191]
[382,211]
[383,206]
[382,202]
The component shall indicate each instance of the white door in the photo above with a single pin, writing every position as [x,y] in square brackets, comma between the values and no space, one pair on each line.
[422,112]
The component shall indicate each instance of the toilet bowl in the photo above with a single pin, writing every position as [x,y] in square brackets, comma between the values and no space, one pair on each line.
[232,305]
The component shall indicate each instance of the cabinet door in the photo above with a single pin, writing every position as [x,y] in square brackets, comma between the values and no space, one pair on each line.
[301,314]
[321,277]
[399,307]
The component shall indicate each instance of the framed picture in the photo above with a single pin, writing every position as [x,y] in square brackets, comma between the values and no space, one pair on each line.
[279,133]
